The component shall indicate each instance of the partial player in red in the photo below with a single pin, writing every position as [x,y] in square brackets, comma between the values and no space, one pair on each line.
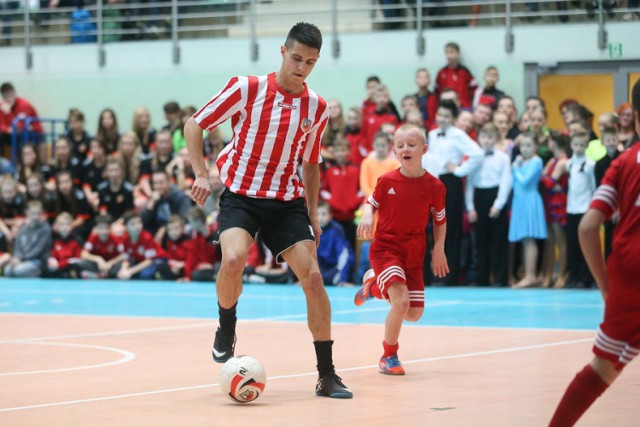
[618,339]
[404,199]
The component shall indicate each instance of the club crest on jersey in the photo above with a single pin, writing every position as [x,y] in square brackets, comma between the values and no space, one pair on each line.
[305,126]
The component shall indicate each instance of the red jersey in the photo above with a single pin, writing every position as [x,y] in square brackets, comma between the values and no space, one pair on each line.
[202,251]
[107,250]
[177,250]
[21,107]
[371,125]
[341,188]
[65,251]
[620,190]
[358,146]
[272,131]
[368,108]
[404,207]
[459,79]
[145,248]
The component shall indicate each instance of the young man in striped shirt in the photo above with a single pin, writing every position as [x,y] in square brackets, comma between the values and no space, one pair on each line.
[277,120]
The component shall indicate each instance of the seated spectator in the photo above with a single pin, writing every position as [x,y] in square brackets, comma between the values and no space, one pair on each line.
[203,259]
[36,190]
[145,258]
[173,116]
[11,208]
[79,137]
[212,205]
[71,199]
[335,256]
[263,267]
[32,244]
[94,173]
[100,253]
[28,164]
[165,200]
[108,133]
[63,160]
[144,131]
[177,246]
[179,141]
[115,194]
[64,260]
[164,159]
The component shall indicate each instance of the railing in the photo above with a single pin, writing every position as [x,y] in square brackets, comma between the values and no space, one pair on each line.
[21,134]
[175,20]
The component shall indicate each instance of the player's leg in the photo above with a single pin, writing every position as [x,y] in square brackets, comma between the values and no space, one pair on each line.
[302,258]
[415,287]
[399,298]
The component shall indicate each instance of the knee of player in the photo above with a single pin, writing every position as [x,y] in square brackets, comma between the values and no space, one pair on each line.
[233,263]
[401,301]
[414,314]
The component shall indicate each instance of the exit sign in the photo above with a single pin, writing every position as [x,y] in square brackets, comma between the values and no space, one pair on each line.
[615,50]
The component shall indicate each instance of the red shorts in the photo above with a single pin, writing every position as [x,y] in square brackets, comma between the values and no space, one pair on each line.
[390,269]
[618,338]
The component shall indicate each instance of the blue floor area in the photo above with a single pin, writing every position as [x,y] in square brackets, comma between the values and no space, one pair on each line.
[486,307]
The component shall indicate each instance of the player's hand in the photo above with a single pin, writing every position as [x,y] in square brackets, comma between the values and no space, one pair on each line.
[472,216]
[451,167]
[200,190]
[440,266]
[124,274]
[494,213]
[315,226]
[365,228]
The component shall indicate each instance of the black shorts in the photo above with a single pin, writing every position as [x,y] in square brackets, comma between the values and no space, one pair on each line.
[281,224]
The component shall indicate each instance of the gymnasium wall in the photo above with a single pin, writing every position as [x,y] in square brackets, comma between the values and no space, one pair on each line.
[142,73]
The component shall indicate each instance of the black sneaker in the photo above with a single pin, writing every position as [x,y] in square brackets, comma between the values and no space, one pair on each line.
[223,345]
[330,385]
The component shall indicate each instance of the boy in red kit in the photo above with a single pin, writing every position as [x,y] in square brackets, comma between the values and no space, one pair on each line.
[146,259]
[618,339]
[368,105]
[176,246]
[404,200]
[353,134]
[341,189]
[456,76]
[203,258]
[100,253]
[64,258]
[383,114]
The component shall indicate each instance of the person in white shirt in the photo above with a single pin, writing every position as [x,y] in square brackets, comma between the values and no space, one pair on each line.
[486,195]
[582,185]
[448,146]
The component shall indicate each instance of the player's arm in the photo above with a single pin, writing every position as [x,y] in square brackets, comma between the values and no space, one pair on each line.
[365,228]
[200,190]
[311,180]
[439,259]
[589,234]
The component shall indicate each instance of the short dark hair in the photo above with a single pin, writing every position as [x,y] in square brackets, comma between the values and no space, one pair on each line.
[103,219]
[7,87]
[305,33]
[453,45]
[129,215]
[635,96]
[373,79]
[562,141]
[171,107]
[490,129]
[197,214]
[322,203]
[175,218]
[608,131]
[447,104]
[527,135]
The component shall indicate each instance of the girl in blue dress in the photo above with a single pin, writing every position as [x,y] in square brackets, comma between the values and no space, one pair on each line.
[527,211]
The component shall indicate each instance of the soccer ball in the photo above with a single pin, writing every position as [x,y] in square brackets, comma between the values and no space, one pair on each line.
[242,379]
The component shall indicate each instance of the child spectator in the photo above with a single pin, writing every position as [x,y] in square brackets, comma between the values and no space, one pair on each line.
[456,76]
[534,103]
[37,191]
[63,161]
[508,107]
[100,252]
[413,117]
[263,267]
[173,116]
[554,193]
[32,244]
[464,121]
[353,134]
[527,211]
[144,131]
[539,128]
[108,133]
[165,200]
[482,115]
[145,259]
[203,259]
[501,122]
[335,128]
[335,255]
[582,185]
[341,189]
[5,256]
[72,200]
[487,193]
[377,164]
[64,259]
[130,153]
[177,246]
[179,141]
[381,115]
[28,164]
[94,172]
[11,208]
[115,194]
[77,134]
[596,149]
[368,105]
[409,102]
[488,94]
[427,100]
[163,159]
[212,205]
[449,94]
[405,199]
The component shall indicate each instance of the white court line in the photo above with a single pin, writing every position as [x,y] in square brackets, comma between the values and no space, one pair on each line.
[127,357]
[306,374]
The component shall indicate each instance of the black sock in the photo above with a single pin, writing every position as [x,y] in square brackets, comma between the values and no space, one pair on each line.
[324,356]
[227,317]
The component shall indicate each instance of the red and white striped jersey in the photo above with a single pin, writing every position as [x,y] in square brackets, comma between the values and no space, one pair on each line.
[272,131]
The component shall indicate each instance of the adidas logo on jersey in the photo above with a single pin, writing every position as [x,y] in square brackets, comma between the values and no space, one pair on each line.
[391,191]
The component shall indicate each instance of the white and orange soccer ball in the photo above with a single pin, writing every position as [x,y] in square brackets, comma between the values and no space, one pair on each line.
[242,379]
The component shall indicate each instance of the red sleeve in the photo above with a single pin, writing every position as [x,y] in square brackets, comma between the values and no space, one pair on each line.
[606,199]
[223,105]
[432,110]
[440,82]
[376,197]
[438,210]
[311,151]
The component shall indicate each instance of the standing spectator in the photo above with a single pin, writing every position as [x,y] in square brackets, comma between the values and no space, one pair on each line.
[203,259]
[508,107]
[335,128]
[335,254]
[142,128]
[353,134]
[427,100]
[77,134]
[626,132]
[614,149]
[456,76]
[527,210]
[32,244]
[501,122]
[100,253]
[486,195]
[108,133]
[582,185]
[11,208]
[145,257]
[12,107]
[488,94]
[539,128]
[377,164]
[179,141]
[533,103]
[115,194]
[464,121]
[482,115]
[166,200]
[383,114]
[64,259]
[341,189]
[448,146]
[130,153]
[172,115]
[368,105]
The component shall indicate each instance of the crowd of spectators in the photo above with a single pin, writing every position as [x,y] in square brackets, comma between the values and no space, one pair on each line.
[115,203]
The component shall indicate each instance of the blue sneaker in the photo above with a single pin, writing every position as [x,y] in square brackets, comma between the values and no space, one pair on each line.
[391,365]
[364,293]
